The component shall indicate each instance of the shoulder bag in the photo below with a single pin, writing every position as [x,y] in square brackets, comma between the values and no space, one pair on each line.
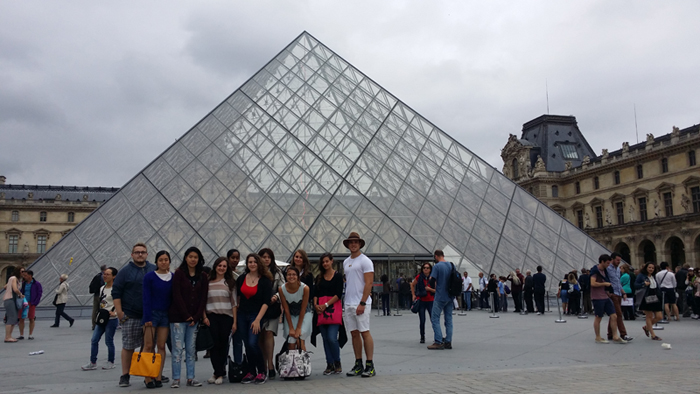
[144,363]
[102,316]
[332,315]
[293,364]
[204,340]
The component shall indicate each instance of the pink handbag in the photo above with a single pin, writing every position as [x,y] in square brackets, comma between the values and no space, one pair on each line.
[332,315]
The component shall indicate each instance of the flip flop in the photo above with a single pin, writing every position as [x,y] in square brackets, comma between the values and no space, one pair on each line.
[6,341]
[655,338]
[645,330]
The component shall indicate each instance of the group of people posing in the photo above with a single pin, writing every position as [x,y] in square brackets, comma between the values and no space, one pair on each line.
[158,308]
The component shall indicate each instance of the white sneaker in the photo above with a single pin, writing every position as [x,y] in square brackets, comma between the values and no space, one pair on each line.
[211,380]
[89,367]
[108,365]
[219,380]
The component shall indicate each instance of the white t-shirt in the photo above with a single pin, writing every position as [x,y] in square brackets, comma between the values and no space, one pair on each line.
[355,270]
[466,281]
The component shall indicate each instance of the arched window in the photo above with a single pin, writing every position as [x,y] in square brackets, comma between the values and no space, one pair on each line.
[516,175]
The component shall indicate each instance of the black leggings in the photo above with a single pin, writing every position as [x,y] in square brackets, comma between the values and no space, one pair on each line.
[220,328]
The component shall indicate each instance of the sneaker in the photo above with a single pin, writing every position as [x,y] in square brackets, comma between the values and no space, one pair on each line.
[539,313]
[159,383]
[71,323]
[31,338]
[338,367]
[108,366]
[620,341]
[89,367]
[422,340]
[694,316]
[436,346]
[329,369]
[602,340]
[193,383]
[261,378]
[212,379]
[219,380]
[626,338]
[271,374]
[175,384]
[369,371]
[448,345]
[19,338]
[248,378]
[124,381]
[356,370]
[164,379]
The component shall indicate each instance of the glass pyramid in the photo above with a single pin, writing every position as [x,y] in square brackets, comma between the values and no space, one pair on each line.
[306,151]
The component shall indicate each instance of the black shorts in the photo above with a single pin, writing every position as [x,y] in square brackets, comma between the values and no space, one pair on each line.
[669,295]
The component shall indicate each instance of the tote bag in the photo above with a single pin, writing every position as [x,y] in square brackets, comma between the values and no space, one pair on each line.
[332,315]
[144,363]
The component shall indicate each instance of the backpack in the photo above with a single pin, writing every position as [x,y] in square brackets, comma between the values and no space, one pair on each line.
[454,286]
[96,284]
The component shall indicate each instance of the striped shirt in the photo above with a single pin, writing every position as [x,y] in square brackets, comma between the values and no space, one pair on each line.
[220,299]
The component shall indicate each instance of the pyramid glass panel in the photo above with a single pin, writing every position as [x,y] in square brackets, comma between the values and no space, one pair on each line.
[307,150]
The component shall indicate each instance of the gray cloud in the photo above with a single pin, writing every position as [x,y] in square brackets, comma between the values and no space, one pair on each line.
[92,92]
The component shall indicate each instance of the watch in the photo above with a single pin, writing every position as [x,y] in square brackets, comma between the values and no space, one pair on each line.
[326,304]
[363,303]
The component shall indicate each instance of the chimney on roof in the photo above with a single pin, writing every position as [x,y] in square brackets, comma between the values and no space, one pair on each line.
[2,179]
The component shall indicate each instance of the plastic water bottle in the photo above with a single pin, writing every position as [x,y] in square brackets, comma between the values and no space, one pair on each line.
[37,352]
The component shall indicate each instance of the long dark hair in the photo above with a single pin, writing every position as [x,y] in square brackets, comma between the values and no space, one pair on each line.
[262,270]
[305,261]
[228,275]
[321,270]
[273,268]
[200,263]
[645,272]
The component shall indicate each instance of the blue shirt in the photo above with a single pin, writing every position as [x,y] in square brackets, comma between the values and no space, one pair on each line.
[614,277]
[441,272]
[501,290]
[27,290]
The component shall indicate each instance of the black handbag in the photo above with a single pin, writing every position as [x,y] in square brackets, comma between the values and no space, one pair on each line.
[204,340]
[236,372]
[102,318]
[415,307]
[55,298]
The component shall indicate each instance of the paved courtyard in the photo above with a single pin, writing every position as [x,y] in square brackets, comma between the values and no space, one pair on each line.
[513,353]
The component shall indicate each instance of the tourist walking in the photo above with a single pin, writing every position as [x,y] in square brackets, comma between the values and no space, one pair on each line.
[32,293]
[502,294]
[528,290]
[650,301]
[422,291]
[127,292]
[157,296]
[602,304]
[516,288]
[270,322]
[359,274]
[386,293]
[585,282]
[95,285]
[294,295]
[443,302]
[574,295]
[108,329]
[329,291]
[617,296]
[467,291]
[667,283]
[254,294]
[220,316]
[61,300]
[12,293]
[494,292]
[625,282]
[483,292]
[190,289]
[538,284]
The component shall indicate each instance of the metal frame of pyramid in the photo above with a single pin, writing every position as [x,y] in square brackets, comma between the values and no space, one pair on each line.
[305,151]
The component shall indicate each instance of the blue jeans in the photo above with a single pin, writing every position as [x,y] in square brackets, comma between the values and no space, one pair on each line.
[250,340]
[109,330]
[467,299]
[183,337]
[238,345]
[440,306]
[422,307]
[329,333]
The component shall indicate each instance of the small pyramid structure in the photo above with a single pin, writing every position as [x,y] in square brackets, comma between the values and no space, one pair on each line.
[305,151]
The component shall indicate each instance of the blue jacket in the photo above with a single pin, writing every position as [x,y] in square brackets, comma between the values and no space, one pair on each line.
[128,287]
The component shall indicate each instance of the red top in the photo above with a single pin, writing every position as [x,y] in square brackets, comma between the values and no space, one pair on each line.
[428,298]
[248,291]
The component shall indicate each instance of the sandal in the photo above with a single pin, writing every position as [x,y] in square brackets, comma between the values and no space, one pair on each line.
[10,341]
[646,331]
[655,338]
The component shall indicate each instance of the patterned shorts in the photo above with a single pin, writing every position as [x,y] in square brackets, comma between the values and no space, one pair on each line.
[132,334]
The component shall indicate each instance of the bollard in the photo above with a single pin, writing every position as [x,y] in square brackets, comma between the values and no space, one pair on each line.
[664,318]
[397,313]
[547,302]
[583,314]
[523,311]
[380,303]
[560,320]
[464,312]
[493,307]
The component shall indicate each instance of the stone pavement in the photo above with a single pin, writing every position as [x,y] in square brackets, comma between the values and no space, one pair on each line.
[510,354]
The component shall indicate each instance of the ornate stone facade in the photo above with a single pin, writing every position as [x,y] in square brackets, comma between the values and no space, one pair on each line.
[642,200]
[33,218]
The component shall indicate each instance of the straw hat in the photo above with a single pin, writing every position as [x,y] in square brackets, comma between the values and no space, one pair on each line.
[354,237]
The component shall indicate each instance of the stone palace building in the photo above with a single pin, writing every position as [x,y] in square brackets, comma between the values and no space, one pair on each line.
[642,200]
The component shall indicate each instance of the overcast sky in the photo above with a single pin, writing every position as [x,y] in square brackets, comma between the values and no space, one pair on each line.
[91,92]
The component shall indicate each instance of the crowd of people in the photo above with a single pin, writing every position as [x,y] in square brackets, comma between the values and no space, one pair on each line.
[157,308]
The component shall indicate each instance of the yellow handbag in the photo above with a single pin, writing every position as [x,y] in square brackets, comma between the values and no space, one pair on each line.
[144,363]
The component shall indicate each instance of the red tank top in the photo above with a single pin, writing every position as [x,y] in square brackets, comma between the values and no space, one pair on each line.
[248,291]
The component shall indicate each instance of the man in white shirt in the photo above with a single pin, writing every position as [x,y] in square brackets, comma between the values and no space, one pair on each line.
[359,277]
[484,298]
[467,291]
[666,281]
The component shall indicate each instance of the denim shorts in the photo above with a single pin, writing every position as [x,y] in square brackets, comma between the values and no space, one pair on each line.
[159,319]
[603,307]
